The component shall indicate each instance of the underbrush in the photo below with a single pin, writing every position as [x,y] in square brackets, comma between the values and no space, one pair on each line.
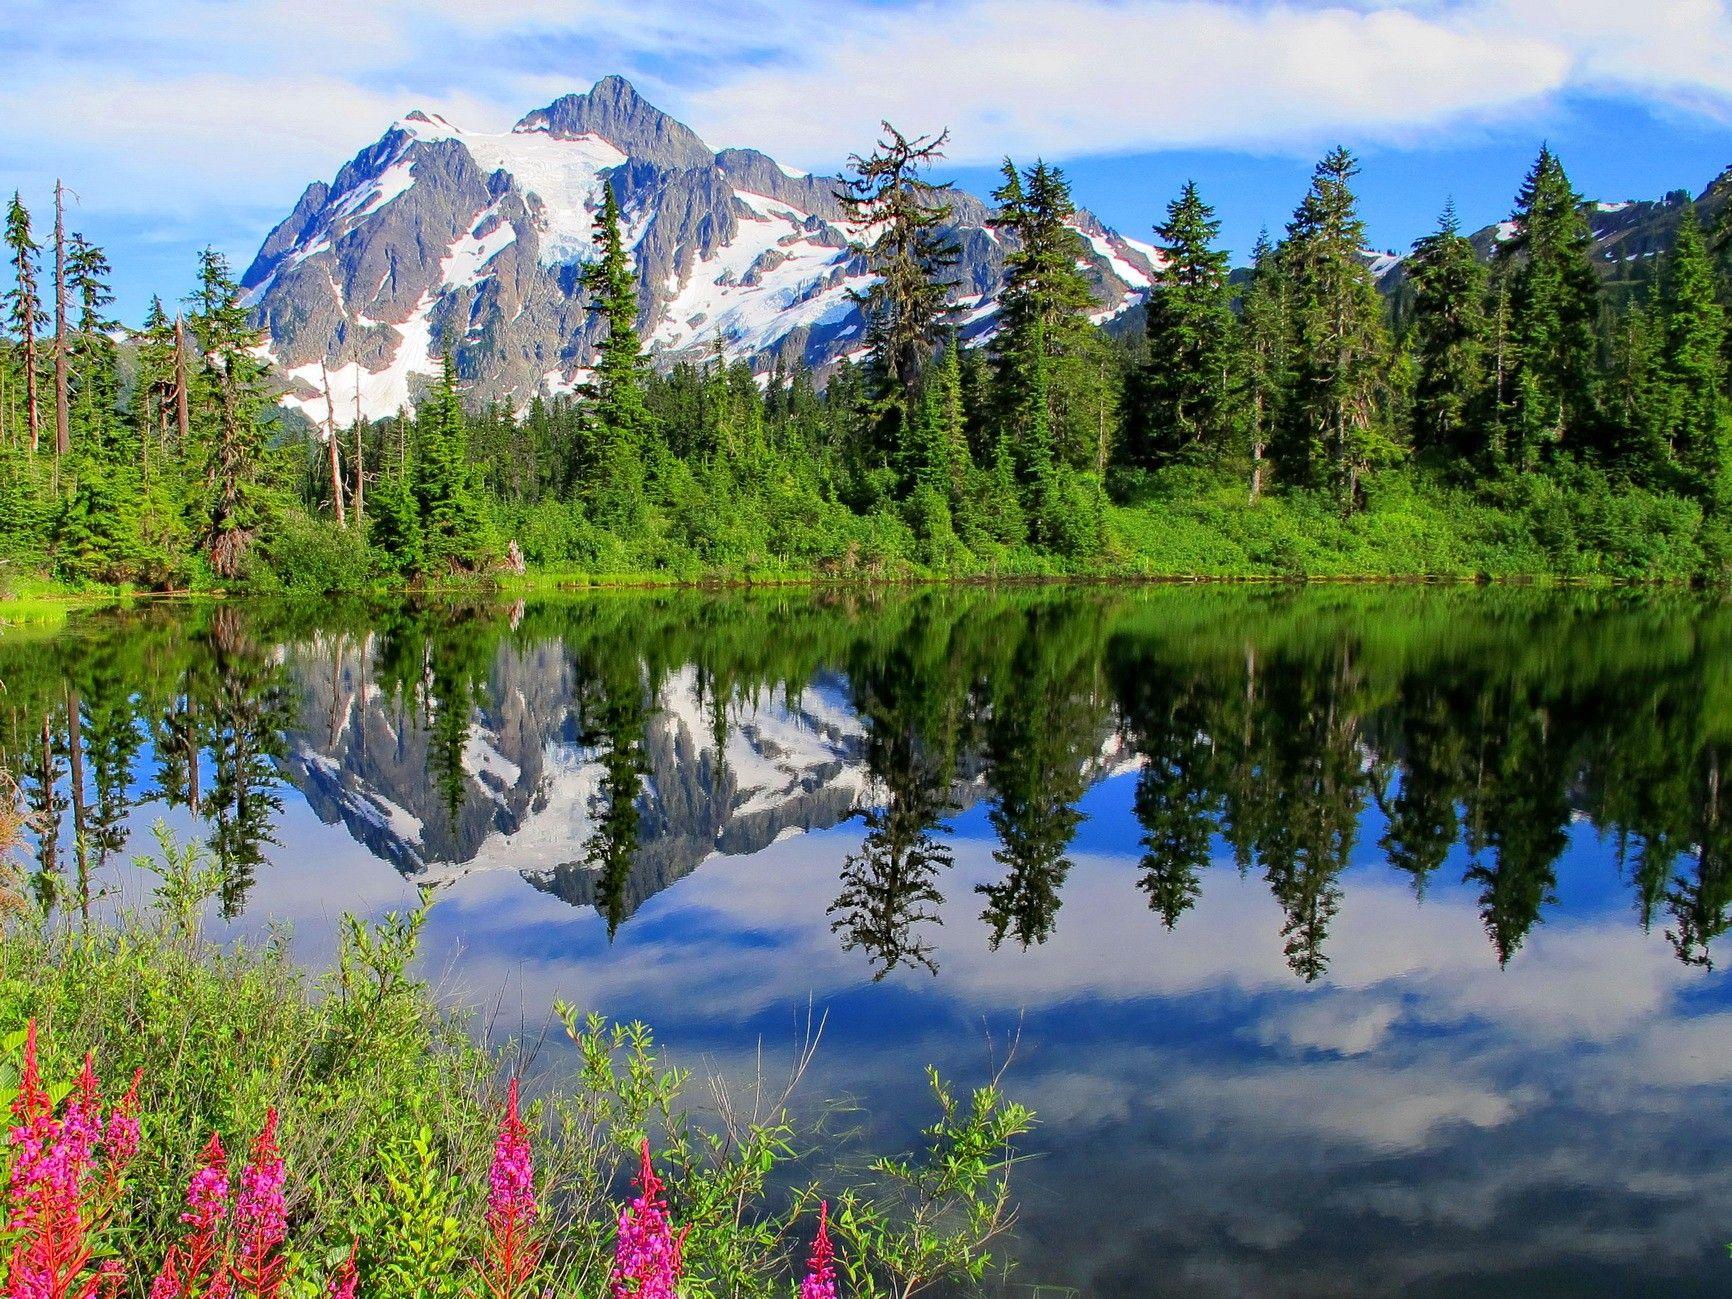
[389,1120]
[1574,523]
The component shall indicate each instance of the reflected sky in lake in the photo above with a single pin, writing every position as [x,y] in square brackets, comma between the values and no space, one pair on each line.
[1350,942]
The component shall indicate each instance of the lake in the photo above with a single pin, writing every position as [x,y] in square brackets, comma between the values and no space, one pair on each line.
[1347,941]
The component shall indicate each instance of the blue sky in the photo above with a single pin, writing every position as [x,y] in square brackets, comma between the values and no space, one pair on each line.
[180,122]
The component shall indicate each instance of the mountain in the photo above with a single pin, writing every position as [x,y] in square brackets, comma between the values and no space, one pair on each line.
[437,237]
[1629,235]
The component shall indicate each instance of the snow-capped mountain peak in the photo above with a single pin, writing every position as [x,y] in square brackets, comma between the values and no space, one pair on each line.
[437,238]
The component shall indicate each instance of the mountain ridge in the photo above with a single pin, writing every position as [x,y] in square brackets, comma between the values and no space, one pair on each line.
[435,237]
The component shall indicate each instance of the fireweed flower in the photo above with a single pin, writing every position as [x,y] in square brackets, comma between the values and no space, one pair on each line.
[343,1284]
[261,1217]
[646,1262]
[820,1282]
[59,1198]
[197,1257]
[512,1252]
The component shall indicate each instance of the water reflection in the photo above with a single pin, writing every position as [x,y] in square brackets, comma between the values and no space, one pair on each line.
[604,749]
[1359,942]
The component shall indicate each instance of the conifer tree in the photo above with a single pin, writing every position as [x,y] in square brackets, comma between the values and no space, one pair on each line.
[1184,387]
[451,528]
[939,456]
[1448,339]
[1340,344]
[1553,310]
[233,378]
[1265,332]
[95,360]
[1636,397]
[153,402]
[907,307]
[619,419]
[24,310]
[1046,288]
[1694,331]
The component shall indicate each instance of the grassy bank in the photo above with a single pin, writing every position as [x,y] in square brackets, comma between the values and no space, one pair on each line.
[1575,525]
[390,1120]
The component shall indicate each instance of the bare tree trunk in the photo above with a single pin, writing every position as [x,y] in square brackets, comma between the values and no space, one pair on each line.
[331,445]
[360,464]
[182,408]
[62,409]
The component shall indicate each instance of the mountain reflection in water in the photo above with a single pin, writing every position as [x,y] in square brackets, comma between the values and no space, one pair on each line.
[1357,941]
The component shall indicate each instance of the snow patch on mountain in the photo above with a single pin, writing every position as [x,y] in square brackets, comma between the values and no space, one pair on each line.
[437,237]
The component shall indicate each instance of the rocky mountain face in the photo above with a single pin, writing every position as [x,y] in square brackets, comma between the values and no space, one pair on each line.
[437,238]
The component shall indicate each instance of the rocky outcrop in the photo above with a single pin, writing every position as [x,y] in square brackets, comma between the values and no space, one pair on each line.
[437,239]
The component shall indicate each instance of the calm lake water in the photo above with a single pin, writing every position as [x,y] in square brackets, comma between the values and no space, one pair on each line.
[1351,941]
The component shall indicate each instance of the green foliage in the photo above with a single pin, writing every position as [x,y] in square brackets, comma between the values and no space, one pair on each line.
[1335,427]
[1184,384]
[1548,383]
[389,1106]
[1448,340]
[309,555]
[931,1215]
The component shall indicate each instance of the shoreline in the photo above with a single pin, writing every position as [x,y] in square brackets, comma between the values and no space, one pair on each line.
[51,604]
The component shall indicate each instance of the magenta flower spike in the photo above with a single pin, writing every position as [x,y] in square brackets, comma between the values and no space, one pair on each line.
[647,1261]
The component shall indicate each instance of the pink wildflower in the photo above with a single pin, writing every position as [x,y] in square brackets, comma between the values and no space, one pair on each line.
[196,1259]
[512,1252]
[58,1200]
[261,1217]
[343,1284]
[820,1282]
[646,1262]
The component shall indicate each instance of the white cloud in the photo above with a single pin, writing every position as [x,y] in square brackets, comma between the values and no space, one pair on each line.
[157,105]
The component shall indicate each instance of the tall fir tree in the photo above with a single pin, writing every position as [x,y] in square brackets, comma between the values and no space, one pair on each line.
[95,374]
[451,526]
[24,311]
[620,424]
[1265,331]
[907,306]
[1340,343]
[1448,338]
[233,384]
[1547,395]
[1046,288]
[1694,332]
[1185,395]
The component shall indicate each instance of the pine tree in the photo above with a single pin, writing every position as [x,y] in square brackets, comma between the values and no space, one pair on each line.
[95,373]
[1046,288]
[1554,307]
[1694,330]
[154,389]
[1184,383]
[1340,344]
[1448,339]
[24,310]
[451,527]
[1637,398]
[907,306]
[62,335]
[1265,336]
[620,424]
[233,382]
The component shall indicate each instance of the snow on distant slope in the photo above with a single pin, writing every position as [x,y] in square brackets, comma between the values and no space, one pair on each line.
[436,238]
